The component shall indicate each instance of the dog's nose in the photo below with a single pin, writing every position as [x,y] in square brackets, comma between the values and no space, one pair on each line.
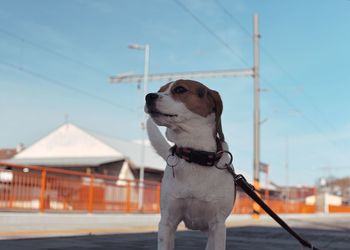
[150,98]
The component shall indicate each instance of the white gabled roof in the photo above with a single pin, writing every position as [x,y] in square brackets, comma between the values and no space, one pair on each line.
[68,141]
[71,146]
[134,151]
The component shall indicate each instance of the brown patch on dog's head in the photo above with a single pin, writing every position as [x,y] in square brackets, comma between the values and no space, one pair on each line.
[218,108]
[164,87]
[199,99]
[194,95]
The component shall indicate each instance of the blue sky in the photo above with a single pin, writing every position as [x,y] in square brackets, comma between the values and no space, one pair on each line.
[56,58]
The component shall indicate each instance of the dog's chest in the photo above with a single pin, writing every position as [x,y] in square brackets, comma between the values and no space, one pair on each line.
[198,193]
[188,180]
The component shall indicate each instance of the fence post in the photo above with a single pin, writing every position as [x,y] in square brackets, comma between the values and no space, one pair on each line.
[158,198]
[91,194]
[12,190]
[42,190]
[128,197]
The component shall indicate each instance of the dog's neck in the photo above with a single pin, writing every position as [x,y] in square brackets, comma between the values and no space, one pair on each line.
[198,134]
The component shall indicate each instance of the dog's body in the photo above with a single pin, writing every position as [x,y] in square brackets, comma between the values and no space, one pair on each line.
[200,196]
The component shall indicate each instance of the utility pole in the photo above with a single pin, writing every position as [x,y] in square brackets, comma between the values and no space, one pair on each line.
[287,173]
[253,72]
[145,48]
[143,126]
[256,127]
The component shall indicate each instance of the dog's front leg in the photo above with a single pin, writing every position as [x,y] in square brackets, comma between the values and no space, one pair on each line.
[166,234]
[216,237]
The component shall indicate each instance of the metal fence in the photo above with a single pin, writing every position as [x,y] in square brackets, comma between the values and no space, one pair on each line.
[34,188]
[244,204]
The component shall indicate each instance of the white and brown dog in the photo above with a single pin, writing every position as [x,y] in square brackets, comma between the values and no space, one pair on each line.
[201,196]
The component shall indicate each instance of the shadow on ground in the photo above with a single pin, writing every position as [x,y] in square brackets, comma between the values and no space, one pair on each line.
[240,238]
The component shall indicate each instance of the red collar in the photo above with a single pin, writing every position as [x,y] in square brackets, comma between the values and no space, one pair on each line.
[200,157]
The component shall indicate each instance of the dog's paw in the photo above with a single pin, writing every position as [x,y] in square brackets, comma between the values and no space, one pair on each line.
[156,138]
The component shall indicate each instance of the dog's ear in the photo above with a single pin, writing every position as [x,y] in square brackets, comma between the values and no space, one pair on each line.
[218,107]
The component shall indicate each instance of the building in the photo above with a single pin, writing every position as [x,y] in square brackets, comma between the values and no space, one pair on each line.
[296,193]
[323,201]
[7,153]
[339,187]
[70,147]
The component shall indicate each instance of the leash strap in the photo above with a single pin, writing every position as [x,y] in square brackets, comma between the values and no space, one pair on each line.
[249,190]
[209,159]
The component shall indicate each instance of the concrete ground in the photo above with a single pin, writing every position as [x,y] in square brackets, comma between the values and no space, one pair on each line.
[107,232]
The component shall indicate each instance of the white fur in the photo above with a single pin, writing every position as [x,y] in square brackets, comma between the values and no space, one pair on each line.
[158,141]
[200,196]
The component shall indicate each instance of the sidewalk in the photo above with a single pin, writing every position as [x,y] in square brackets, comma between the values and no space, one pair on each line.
[125,231]
[23,225]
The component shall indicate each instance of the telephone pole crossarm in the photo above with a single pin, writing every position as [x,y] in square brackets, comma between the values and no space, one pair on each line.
[185,75]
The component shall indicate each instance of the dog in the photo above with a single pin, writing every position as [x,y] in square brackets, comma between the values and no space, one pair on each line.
[200,195]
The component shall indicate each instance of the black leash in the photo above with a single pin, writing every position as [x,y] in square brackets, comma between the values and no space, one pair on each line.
[210,159]
[249,190]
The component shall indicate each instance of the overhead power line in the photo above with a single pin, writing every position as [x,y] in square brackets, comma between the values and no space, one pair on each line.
[212,33]
[223,8]
[284,71]
[226,45]
[308,97]
[64,85]
[56,53]
[314,124]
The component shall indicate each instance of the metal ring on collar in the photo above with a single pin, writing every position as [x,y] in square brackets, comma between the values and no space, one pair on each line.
[174,160]
[226,164]
[229,153]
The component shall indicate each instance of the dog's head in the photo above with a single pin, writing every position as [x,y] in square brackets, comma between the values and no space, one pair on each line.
[184,101]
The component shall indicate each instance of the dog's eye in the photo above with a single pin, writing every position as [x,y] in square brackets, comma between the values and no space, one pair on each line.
[180,90]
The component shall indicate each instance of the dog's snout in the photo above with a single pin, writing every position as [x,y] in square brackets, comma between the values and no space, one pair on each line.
[150,98]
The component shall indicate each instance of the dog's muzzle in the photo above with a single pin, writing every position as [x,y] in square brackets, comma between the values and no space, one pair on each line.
[151,98]
[151,106]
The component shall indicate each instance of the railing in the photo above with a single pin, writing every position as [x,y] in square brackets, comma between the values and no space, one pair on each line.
[339,209]
[244,204]
[33,188]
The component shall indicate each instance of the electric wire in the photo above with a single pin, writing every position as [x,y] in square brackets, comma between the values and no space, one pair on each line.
[314,124]
[268,54]
[64,85]
[210,31]
[101,72]
[224,9]
[226,45]
[275,89]
[56,53]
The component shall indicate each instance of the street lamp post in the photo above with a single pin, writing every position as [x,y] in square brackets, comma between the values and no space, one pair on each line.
[143,123]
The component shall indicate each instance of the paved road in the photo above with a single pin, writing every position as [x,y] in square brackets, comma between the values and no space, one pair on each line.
[326,232]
